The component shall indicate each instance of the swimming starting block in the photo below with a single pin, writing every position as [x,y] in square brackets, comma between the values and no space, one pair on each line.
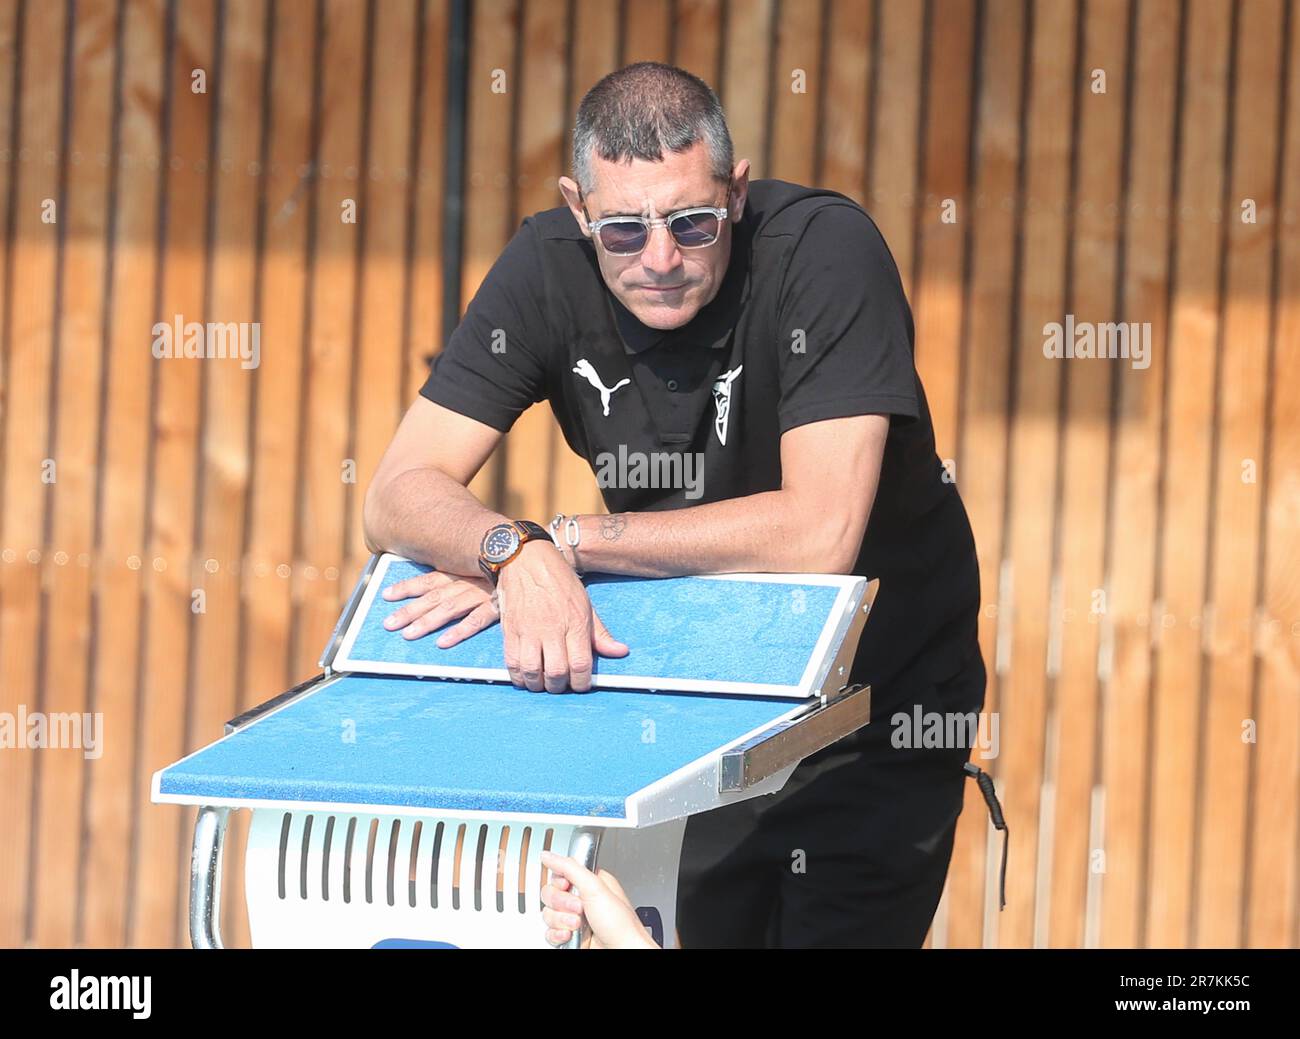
[403,797]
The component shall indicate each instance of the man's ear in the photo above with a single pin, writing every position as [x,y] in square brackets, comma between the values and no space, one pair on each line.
[569,189]
[739,190]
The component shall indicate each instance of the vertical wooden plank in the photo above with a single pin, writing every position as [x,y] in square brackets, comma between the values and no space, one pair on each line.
[1085,459]
[647,30]
[265,636]
[746,92]
[330,359]
[265,663]
[990,328]
[942,235]
[798,92]
[67,638]
[697,38]
[895,141]
[429,182]
[223,468]
[124,430]
[79,343]
[941,245]
[1188,448]
[159,872]
[377,394]
[224,464]
[1033,460]
[847,111]
[594,54]
[13,807]
[1272,916]
[532,447]
[490,126]
[9,69]
[30,345]
[1132,531]
[1242,391]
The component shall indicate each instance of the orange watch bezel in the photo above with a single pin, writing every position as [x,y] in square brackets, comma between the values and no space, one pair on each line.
[525,536]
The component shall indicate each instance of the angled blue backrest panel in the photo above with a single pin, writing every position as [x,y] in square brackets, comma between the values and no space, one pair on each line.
[699,628]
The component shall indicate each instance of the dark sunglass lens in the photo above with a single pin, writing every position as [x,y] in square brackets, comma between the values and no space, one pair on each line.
[695,229]
[623,237]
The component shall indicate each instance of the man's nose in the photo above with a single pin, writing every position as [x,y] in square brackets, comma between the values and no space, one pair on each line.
[661,254]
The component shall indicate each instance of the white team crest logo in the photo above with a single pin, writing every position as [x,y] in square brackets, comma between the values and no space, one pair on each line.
[584,368]
[722,401]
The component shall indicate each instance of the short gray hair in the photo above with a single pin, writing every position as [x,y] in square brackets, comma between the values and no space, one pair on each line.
[639,111]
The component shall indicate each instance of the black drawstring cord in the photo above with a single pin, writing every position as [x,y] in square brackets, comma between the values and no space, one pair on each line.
[985,784]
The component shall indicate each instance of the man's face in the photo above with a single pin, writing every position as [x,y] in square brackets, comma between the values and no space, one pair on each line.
[664,285]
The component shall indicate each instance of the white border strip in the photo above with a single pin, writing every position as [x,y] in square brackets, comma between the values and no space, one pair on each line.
[343,658]
[688,771]
[348,808]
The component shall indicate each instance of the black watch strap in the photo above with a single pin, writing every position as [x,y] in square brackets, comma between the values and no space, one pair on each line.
[535,531]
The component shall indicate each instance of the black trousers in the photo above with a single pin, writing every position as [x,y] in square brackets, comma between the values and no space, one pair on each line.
[851,853]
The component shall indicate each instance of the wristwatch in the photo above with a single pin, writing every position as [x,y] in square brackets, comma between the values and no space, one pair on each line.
[503,542]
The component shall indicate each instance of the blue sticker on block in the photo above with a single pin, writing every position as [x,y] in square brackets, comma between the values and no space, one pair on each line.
[699,628]
[650,918]
[411,943]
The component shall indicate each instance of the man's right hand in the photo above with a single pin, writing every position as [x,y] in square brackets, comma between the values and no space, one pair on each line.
[548,623]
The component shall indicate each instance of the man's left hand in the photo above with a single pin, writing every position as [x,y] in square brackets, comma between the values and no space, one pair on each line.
[440,598]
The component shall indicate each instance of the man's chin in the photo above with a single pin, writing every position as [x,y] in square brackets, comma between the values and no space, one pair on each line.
[665,317]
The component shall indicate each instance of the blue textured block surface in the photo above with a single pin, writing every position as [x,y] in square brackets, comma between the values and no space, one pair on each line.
[466,746]
[677,627]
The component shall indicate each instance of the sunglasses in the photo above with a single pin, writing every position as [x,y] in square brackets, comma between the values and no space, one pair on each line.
[628,235]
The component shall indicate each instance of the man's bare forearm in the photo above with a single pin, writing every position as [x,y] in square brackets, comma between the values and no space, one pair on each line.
[425,515]
[761,533]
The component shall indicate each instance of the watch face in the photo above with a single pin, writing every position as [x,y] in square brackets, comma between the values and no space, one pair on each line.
[500,543]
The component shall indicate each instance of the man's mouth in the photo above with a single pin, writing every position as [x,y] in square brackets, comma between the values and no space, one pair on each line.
[663,288]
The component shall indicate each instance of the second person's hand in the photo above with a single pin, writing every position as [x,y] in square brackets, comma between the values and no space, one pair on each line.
[575,894]
[550,629]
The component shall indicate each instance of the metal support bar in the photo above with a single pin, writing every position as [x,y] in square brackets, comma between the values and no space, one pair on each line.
[345,618]
[789,742]
[205,877]
[834,677]
[584,846]
[253,713]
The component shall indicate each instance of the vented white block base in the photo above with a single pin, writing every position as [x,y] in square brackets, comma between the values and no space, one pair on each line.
[321,880]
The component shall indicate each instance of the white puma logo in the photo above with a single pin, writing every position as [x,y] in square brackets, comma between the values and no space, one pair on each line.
[584,368]
[722,401]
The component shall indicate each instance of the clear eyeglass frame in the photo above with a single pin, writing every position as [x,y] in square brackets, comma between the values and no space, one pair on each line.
[594,226]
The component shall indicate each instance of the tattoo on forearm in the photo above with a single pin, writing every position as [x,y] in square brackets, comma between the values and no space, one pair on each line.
[612,527]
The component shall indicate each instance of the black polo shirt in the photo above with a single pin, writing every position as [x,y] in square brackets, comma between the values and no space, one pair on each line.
[810,323]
